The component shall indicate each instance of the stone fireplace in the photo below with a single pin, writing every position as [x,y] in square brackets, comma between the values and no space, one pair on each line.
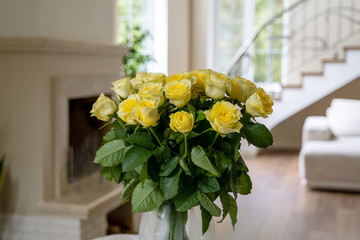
[60,198]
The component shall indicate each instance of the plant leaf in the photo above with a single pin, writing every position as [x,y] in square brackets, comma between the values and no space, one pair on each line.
[135,157]
[258,135]
[186,199]
[146,197]
[233,211]
[200,115]
[110,154]
[144,173]
[200,159]
[142,139]
[106,173]
[128,189]
[244,184]
[162,153]
[206,203]
[205,219]
[117,174]
[225,202]
[169,165]
[169,185]
[208,184]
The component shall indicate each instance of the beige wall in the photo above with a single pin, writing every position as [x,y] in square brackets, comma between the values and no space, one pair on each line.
[83,20]
[26,119]
[288,133]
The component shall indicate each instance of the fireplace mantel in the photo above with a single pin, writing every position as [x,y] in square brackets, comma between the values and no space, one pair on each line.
[36,71]
[50,45]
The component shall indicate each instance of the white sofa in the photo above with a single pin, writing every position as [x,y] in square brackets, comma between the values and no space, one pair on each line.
[330,153]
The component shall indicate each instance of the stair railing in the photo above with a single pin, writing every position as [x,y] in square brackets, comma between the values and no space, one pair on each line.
[309,35]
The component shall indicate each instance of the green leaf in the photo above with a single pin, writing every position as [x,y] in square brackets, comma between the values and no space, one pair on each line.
[169,185]
[109,136]
[106,173]
[117,173]
[110,154]
[135,157]
[244,184]
[146,197]
[208,184]
[258,135]
[154,169]
[205,219]
[144,173]
[225,202]
[128,189]
[169,165]
[223,160]
[233,211]
[162,153]
[142,139]
[199,158]
[206,203]
[186,199]
[200,115]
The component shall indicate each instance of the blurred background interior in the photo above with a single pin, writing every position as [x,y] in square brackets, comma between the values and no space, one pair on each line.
[57,56]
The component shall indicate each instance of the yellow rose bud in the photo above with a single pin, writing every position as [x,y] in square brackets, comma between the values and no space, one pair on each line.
[177,77]
[241,88]
[199,77]
[178,92]
[126,107]
[181,122]
[146,112]
[155,77]
[123,87]
[153,91]
[103,107]
[143,77]
[259,104]
[216,84]
[224,117]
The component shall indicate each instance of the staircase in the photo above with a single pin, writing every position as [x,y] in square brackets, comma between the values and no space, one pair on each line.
[315,52]
[315,86]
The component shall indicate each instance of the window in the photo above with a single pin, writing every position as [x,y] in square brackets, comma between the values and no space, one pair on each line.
[147,15]
[237,19]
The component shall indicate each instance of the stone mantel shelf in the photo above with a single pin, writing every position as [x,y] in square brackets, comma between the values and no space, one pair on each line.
[102,197]
[49,45]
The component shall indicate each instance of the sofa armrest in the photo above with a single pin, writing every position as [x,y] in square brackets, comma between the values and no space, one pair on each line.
[316,128]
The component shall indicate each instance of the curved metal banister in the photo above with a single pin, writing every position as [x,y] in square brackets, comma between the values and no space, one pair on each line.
[245,46]
[306,40]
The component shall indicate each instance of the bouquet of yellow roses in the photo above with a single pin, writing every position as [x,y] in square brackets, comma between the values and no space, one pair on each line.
[176,140]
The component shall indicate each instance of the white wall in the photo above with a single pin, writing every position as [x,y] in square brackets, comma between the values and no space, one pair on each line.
[82,20]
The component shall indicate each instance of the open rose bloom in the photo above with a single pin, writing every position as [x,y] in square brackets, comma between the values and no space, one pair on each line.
[176,139]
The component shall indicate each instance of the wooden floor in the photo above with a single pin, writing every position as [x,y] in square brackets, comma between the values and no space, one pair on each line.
[280,208]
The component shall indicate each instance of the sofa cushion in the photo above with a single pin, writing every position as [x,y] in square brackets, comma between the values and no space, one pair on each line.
[344,117]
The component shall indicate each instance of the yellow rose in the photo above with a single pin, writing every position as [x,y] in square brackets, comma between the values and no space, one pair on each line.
[103,107]
[123,87]
[259,104]
[241,88]
[178,92]
[146,112]
[143,77]
[126,107]
[216,84]
[181,122]
[224,117]
[153,91]
[155,77]
[199,78]
[177,77]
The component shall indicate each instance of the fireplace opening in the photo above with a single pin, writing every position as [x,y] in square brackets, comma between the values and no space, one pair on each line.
[84,138]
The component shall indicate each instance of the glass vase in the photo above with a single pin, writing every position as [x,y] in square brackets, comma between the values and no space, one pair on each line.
[165,223]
